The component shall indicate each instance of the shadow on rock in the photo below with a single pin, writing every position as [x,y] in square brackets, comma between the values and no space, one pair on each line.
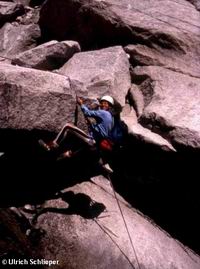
[78,204]
[29,174]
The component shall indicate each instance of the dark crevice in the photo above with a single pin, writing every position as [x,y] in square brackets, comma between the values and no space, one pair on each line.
[145,84]
[34,3]
[157,125]
[164,186]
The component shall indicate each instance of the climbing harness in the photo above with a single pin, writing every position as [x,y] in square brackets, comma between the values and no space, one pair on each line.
[106,145]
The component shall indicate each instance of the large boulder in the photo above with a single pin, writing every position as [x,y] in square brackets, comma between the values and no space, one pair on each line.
[79,233]
[171,104]
[170,29]
[100,72]
[130,115]
[48,56]
[16,39]
[139,133]
[9,11]
[145,135]
[144,56]
[33,99]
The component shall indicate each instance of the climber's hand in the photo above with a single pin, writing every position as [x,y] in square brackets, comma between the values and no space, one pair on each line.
[79,100]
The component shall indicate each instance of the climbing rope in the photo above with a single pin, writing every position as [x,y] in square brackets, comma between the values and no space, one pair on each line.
[104,230]
[124,220]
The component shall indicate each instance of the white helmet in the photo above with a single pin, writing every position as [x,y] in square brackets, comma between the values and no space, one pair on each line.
[107,98]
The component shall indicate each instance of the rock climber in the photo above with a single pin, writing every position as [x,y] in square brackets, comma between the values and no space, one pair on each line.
[100,123]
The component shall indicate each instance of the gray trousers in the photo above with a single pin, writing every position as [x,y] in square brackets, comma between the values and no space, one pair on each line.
[72,129]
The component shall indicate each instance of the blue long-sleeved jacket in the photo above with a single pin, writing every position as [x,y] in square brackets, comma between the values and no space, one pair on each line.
[103,125]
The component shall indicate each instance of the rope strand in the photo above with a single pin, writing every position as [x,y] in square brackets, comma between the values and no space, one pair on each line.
[127,230]
[124,254]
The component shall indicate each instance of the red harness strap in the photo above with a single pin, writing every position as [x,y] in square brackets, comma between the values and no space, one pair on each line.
[106,145]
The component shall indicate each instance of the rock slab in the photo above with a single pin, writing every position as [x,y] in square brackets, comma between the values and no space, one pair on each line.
[33,99]
[171,104]
[100,72]
[80,241]
[48,56]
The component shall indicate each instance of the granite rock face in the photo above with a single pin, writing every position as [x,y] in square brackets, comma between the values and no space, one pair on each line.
[16,39]
[144,56]
[78,240]
[171,104]
[100,72]
[48,56]
[33,99]
[169,31]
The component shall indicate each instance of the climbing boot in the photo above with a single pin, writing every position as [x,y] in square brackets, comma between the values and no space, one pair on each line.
[65,155]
